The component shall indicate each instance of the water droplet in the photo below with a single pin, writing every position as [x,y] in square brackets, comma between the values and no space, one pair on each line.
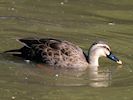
[13,97]
[57,75]
[26,78]
[28,61]
[62,3]
[12,9]
[111,23]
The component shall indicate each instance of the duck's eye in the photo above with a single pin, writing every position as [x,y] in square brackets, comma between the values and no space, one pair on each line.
[106,48]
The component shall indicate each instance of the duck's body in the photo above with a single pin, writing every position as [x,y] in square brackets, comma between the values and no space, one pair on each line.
[60,53]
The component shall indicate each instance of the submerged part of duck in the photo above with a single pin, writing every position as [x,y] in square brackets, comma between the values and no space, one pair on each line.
[61,53]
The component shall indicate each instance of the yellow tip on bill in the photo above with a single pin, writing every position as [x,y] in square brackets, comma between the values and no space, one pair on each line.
[119,62]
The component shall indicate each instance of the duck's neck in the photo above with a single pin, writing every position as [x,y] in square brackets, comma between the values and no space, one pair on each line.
[93,59]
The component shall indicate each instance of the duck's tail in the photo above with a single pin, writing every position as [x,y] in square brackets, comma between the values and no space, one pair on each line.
[15,52]
[11,51]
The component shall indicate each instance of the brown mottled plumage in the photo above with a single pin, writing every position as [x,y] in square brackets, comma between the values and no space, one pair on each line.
[53,52]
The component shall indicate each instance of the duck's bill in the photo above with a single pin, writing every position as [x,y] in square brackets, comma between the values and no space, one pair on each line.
[114,58]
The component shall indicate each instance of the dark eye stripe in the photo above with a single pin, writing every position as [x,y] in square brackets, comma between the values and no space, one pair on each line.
[106,48]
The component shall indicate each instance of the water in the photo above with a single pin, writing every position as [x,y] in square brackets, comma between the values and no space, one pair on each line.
[80,22]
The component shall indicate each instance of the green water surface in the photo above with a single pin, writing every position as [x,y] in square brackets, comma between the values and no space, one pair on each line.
[78,21]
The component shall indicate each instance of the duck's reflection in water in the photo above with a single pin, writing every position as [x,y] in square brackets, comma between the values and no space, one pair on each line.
[100,78]
[90,77]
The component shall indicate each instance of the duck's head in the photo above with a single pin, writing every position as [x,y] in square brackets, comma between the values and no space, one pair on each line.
[99,49]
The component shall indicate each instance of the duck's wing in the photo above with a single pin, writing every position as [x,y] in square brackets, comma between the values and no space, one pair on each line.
[53,51]
[29,42]
[50,43]
[64,47]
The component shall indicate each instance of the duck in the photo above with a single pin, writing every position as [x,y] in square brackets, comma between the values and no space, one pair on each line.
[62,53]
